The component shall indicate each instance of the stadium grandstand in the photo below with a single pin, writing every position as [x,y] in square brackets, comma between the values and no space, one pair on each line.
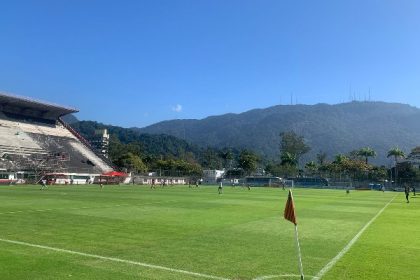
[36,142]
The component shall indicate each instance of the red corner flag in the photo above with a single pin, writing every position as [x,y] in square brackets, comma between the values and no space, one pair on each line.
[289,210]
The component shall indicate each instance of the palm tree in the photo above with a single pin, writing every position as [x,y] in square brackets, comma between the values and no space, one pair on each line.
[340,158]
[396,153]
[366,153]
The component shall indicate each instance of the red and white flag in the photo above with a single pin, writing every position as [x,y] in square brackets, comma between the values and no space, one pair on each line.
[289,210]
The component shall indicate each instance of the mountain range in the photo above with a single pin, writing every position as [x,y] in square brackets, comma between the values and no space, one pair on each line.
[332,129]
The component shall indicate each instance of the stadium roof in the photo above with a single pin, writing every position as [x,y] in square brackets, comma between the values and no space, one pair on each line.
[29,107]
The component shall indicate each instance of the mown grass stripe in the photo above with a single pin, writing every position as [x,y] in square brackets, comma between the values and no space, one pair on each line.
[201,275]
[329,265]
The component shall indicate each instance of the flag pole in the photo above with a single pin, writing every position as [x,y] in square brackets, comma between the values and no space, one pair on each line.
[290,215]
[299,254]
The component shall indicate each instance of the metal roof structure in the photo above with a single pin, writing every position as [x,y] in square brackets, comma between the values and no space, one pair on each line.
[25,106]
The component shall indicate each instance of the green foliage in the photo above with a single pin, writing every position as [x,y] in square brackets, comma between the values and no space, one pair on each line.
[212,159]
[292,145]
[332,129]
[282,170]
[289,159]
[378,174]
[366,153]
[173,167]
[340,159]
[311,167]
[248,161]
[406,172]
[228,157]
[131,162]
[134,151]
[130,149]
[321,157]
[116,148]
[396,153]
[343,165]
[153,146]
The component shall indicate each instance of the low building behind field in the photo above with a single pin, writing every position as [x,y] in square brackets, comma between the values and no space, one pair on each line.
[212,176]
[35,141]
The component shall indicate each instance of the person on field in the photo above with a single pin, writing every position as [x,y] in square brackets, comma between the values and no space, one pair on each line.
[153,184]
[43,184]
[414,190]
[407,192]
[220,188]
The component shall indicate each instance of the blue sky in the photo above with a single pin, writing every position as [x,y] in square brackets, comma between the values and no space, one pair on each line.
[134,63]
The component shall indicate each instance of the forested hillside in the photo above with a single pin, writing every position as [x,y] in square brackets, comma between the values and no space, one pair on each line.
[332,129]
[129,145]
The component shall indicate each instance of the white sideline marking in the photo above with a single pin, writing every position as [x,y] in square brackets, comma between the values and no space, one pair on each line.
[279,276]
[329,265]
[113,259]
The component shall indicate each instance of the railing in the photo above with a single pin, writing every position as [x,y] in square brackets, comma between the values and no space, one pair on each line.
[87,144]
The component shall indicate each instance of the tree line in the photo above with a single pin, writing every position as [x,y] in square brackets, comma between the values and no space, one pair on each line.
[168,155]
[353,165]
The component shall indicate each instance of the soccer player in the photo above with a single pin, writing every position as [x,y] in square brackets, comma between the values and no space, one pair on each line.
[220,188]
[407,192]
[43,184]
[414,190]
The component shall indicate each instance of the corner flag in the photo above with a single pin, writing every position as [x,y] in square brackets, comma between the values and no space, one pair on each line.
[290,215]
[289,210]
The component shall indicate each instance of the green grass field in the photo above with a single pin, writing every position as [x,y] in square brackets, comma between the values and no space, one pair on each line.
[133,232]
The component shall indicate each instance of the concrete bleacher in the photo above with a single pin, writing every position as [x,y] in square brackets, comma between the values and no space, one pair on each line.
[80,158]
[88,154]
[32,144]
[53,130]
[34,138]
[15,141]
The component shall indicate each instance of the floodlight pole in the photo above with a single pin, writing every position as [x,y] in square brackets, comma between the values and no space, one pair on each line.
[302,277]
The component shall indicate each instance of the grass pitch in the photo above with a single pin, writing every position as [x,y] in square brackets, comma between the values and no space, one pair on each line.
[133,232]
